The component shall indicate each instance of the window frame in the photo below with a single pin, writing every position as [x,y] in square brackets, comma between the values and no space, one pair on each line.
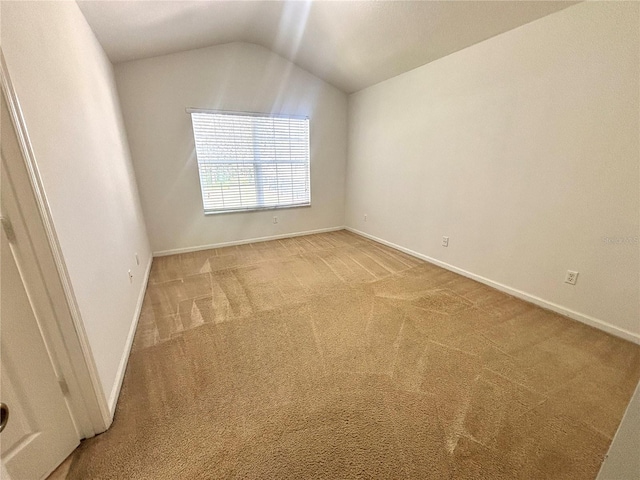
[251,114]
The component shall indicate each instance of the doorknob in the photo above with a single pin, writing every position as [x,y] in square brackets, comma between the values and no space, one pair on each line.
[4,416]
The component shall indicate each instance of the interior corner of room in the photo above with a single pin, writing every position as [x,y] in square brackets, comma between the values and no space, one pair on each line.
[513,160]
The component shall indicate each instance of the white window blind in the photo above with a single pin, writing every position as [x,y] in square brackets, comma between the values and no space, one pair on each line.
[251,161]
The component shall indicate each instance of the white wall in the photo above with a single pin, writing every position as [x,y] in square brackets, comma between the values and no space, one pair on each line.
[623,461]
[524,150]
[235,76]
[65,85]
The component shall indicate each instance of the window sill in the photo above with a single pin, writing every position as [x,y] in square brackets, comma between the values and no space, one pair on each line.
[257,209]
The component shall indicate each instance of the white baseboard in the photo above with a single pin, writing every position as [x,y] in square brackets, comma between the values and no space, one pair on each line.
[122,368]
[581,317]
[175,251]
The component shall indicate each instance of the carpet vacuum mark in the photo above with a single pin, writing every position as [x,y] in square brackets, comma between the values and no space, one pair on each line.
[332,356]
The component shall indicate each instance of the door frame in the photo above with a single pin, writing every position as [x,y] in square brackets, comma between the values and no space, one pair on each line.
[61,322]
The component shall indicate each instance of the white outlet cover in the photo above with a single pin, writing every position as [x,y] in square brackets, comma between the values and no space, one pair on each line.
[445,241]
[571,278]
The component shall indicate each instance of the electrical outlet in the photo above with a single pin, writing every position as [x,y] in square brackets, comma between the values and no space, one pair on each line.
[571,277]
[275,220]
[130,277]
[137,260]
[365,217]
[445,241]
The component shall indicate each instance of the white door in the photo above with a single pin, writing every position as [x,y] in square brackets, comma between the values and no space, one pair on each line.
[39,433]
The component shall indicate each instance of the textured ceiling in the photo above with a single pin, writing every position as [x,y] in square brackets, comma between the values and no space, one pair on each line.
[350,44]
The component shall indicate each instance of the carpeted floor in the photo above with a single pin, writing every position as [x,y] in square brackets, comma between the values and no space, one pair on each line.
[331,356]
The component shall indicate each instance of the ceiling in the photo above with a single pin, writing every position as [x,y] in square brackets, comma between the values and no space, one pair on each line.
[350,44]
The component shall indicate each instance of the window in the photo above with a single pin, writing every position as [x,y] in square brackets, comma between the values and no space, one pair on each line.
[251,161]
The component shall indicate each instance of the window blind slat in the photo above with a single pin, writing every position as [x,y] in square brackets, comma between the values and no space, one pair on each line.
[250,161]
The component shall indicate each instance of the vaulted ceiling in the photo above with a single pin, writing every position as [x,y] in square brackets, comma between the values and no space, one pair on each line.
[350,44]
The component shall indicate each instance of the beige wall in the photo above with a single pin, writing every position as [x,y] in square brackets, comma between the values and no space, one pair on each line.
[524,150]
[65,85]
[235,76]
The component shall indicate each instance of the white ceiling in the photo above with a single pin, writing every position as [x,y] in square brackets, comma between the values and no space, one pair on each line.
[350,44]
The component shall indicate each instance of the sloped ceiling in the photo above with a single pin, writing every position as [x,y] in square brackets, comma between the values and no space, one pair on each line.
[350,44]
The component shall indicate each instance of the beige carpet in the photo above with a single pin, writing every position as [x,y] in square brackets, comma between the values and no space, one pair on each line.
[331,356]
